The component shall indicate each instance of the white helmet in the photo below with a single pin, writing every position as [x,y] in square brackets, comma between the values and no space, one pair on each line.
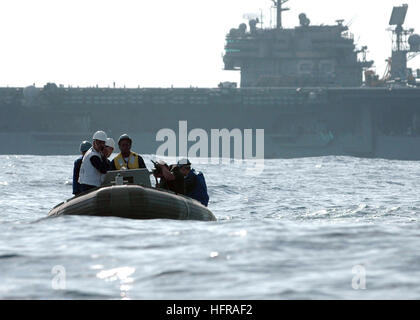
[184,162]
[110,143]
[100,135]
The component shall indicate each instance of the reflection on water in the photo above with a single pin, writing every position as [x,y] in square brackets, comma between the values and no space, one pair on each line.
[119,274]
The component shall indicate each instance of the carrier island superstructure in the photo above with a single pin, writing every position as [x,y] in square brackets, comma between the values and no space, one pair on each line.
[310,88]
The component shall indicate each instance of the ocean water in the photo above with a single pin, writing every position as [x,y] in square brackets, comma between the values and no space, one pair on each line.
[315,228]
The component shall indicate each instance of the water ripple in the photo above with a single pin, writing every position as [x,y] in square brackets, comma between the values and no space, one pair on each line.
[293,232]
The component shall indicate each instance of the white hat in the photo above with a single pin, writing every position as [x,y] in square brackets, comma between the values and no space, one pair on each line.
[161,162]
[100,135]
[110,143]
[184,162]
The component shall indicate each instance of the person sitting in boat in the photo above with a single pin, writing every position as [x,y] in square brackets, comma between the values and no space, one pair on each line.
[94,163]
[108,150]
[195,184]
[127,159]
[84,147]
[170,177]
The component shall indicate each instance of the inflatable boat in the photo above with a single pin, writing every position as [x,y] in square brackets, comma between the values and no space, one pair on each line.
[129,194]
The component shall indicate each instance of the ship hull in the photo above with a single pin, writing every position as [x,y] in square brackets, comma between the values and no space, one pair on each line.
[308,122]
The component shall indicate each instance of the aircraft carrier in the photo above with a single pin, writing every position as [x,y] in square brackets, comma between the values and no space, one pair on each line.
[310,88]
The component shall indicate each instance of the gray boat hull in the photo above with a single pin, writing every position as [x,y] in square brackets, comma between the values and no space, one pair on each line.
[134,202]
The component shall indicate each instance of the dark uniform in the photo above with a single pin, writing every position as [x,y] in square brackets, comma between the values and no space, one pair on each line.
[196,187]
[84,147]
[76,170]
[176,185]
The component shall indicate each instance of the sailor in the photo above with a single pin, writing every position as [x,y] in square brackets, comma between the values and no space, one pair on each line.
[84,147]
[195,184]
[127,159]
[170,177]
[94,163]
[108,150]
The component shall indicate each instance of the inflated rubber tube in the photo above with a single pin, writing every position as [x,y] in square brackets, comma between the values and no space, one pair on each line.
[134,202]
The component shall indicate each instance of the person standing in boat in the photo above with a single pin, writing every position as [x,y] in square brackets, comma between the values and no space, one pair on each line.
[94,163]
[195,184]
[84,147]
[127,159]
[170,177]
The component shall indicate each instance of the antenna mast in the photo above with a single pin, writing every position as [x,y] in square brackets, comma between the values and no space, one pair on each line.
[400,50]
[279,4]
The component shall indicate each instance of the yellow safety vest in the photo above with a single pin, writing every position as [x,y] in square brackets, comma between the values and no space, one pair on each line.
[133,161]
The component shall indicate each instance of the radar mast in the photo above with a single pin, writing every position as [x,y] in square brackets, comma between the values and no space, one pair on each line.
[279,5]
[406,45]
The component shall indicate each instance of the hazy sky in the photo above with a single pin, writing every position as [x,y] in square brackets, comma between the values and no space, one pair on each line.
[158,43]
